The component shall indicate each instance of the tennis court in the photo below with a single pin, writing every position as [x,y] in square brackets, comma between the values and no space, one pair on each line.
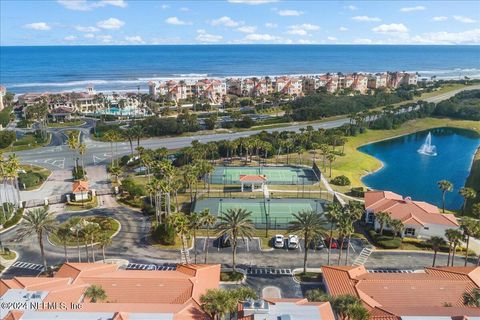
[279,211]
[287,175]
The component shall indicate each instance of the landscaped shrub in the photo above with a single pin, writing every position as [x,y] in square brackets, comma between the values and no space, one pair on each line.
[124,160]
[341,181]
[30,179]
[231,276]
[7,137]
[164,234]
[385,241]
[358,192]
[15,219]
[78,173]
[133,190]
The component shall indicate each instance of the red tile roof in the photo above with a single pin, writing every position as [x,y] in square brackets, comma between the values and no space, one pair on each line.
[389,295]
[80,186]
[407,210]
[252,178]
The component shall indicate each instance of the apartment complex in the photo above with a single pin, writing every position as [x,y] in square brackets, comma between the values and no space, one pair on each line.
[432,294]
[131,294]
[211,90]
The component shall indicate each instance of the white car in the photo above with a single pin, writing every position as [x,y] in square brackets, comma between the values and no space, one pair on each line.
[292,241]
[279,241]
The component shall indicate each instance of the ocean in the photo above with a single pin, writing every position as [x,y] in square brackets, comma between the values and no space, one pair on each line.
[127,68]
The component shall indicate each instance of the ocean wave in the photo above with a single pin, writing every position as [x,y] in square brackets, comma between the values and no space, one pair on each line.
[74,83]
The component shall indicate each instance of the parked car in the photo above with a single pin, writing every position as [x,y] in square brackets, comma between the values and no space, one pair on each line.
[293,242]
[334,243]
[224,241]
[317,244]
[279,241]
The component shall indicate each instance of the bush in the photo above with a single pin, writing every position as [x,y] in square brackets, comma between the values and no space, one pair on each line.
[231,276]
[357,192]
[7,137]
[123,161]
[341,181]
[164,234]
[133,190]
[30,179]
[15,219]
[385,241]
[78,173]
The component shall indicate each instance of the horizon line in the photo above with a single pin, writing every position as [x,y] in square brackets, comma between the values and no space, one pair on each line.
[240,44]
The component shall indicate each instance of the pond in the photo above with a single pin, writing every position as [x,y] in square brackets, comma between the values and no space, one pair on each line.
[409,172]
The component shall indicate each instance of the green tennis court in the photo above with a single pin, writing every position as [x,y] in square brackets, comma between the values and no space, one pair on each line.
[279,211]
[275,175]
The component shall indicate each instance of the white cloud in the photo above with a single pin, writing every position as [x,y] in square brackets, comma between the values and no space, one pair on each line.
[392,28]
[302,41]
[260,37]
[247,29]
[252,2]
[343,29]
[86,29]
[271,25]
[290,13]
[412,9]
[165,6]
[84,5]
[302,29]
[331,39]
[42,26]
[89,35]
[440,18]
[225,21]
[362,41]
[464,19]
[105,38]
[366,19]
[445,37]
[184,9]
[176,21]
[204,37]
[70,38]
[134,39]
[351,7]
[110,24]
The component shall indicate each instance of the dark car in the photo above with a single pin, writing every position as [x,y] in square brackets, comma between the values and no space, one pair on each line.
[317,244]
[334,243]
[224,241]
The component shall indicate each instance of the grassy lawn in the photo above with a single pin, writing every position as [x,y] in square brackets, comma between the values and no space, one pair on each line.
[110,228]
[355,164]
[40,171]
[27,142]
[8,255]
[79,207]
[308,276]
[66,124]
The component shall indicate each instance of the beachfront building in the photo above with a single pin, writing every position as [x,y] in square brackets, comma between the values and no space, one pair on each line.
[396,79]
[289,85]
[209,90]
[421,219]
[292,309]
[431,294]
[360,83]
[3,91]
[130,294]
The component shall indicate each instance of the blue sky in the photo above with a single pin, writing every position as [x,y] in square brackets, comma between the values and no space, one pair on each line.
[113,22]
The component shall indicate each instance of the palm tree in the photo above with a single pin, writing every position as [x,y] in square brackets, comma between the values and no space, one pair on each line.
[452,235]
[383,219]
[397,227]
[476,210]
[39,222]
[217,303]
[354,210]
[236,223]
[456,241]
[472,299]
[436,243]
[467,193]
[444,186]
[332,214]
[469,227]
[104,240]
[349,307]
[180,223]
[311,226]
[82,149]
[63,234]
[13,165]
[331,158]
[195,223]
[209,221]
[95,293]
[345,229]
[129,135]
[73,143]
[116,171]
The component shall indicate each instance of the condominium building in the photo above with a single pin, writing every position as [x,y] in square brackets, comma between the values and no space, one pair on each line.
[3,91]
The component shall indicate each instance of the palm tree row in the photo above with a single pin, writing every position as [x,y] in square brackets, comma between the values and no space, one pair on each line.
[10,199]
[75,145]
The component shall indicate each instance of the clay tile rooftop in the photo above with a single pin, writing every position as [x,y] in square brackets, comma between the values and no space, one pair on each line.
[432,294]
[131,294]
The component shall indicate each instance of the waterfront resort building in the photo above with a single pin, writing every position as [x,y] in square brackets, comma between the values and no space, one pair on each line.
[130,294]
[291,309]
[421,219]
[432,294]
[3,91]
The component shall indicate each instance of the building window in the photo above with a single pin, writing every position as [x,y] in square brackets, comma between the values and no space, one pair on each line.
[426,228]
[409,231]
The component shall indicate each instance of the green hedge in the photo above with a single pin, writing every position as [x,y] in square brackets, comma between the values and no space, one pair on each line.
[164,234]
[385,241]
[358,192]
[341,181]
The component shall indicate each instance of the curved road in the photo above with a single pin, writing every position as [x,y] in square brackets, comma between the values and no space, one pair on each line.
[58,156]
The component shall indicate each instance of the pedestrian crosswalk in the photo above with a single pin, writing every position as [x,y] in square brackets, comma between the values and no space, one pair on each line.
[27,265]
[141,266]
[269,271]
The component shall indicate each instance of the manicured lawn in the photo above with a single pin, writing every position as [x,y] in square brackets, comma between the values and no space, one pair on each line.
[27,142]
[79,207]
[66,124]
[10,255]
[355,164]
[107,224]
[41,172]
[308,277]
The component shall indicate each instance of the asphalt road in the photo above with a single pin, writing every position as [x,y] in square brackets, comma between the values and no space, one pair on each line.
[100,152]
